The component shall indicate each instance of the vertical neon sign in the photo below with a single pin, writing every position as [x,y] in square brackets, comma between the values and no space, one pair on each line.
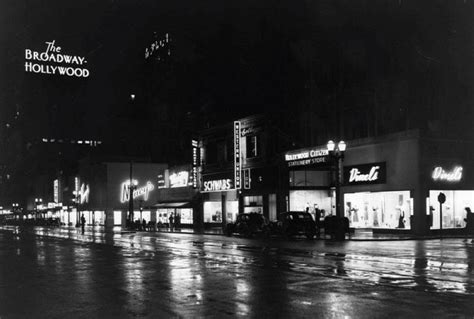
[237,163]
[194,144]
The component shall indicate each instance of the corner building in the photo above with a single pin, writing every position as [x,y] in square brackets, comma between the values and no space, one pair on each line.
[390,183]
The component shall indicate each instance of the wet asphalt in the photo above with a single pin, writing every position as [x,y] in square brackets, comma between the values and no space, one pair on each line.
[61,273]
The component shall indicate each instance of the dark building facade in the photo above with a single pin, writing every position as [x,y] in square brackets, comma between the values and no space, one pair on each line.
[240,170]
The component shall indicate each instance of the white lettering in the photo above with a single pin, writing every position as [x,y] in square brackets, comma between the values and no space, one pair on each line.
[53,55]
[137,192]
[356,176]
[439,174]
[217,185]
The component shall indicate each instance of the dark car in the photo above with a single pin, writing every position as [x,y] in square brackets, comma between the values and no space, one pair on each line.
[248,224]
[297,223]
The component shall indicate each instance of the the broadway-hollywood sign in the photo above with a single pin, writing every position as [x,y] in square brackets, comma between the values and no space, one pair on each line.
[55,62]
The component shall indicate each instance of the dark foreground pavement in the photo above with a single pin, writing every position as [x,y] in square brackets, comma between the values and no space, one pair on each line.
[57,273]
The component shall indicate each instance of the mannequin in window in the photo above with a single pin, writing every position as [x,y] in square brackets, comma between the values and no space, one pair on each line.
[401,221]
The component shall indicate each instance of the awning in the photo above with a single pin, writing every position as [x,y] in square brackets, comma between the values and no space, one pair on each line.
[173,205]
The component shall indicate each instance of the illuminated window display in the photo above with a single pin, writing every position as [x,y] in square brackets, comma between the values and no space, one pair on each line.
[253,204]
[99,217]
[146,215]
[117,217]
[213,211]
[186,214]
[453,209]
[379,209]
[301,199]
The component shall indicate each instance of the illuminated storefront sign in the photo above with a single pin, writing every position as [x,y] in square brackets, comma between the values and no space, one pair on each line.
[179,179]
[454,175]
[373,173]
[237,163]
[56,190]
[84,194]
[247,179]
[307,157]
[217,185]
[143,191]
[195,162]
[50,60]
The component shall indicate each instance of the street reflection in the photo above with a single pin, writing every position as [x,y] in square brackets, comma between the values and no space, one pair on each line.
[469,284]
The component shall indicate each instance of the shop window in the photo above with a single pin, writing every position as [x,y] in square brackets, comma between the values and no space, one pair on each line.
[301,178]
[186,215]
[253,147]
[212,212]
[379,209]
[117,217]
[253,200]
[454,209]
[300,200]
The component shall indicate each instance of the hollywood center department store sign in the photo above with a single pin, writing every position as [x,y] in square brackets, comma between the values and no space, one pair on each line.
[371,173]
[54,61]
[307,157]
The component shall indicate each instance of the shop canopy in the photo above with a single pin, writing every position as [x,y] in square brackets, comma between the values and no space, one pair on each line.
[173,205]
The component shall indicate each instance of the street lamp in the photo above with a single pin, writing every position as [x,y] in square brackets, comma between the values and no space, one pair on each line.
[37,203]
[337,156]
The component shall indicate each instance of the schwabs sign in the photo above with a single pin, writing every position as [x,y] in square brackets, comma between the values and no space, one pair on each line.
[42,62]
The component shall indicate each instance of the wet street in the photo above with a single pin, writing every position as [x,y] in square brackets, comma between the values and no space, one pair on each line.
[60,273]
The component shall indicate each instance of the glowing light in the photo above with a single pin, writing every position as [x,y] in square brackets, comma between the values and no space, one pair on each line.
[455,175]
[74,64]
[137,192]
[217,185]
[179,179]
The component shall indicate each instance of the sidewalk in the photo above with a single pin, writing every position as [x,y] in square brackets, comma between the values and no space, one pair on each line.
[358,235]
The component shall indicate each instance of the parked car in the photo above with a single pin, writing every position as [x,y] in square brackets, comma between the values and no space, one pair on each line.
[297,223]
[248,224]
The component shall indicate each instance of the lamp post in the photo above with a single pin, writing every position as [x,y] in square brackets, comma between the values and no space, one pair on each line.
[15,208]
[337,156]
[38,201]
[131,188]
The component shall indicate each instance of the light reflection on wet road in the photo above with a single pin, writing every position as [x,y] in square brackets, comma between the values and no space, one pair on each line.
[60,272]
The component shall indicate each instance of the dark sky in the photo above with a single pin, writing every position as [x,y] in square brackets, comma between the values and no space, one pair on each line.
[246,55]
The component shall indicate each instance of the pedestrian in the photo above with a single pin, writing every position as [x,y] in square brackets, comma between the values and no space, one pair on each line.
[144,224]
[317,213]
[83,223]
[178,221]
[171,222]
[469,230]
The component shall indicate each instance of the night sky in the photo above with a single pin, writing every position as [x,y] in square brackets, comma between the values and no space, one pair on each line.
[413,58]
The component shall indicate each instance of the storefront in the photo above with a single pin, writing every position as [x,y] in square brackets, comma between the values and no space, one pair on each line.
[220,200]
[454,180]
[310,181]
[177,200]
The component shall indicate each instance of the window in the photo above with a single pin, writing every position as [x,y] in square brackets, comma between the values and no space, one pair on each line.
[253,147]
